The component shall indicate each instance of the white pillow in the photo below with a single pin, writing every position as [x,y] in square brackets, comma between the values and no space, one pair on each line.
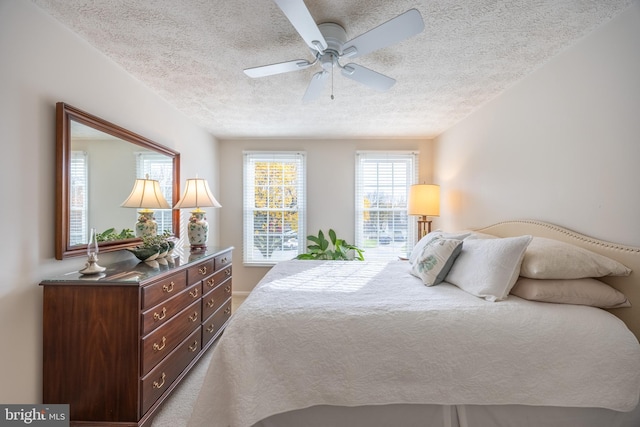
[417,249]
[552,259]
[587,291]
[488,268]
[436,259]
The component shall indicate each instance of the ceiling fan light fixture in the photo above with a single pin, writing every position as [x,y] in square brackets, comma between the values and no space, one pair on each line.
[328,43]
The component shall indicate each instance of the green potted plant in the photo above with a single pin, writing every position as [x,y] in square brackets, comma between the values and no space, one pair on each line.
[332,249]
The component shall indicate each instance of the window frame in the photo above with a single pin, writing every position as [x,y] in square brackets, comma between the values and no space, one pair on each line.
[248,206]
[397,213]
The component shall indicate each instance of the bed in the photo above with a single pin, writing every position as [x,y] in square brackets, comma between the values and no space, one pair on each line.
[327,343]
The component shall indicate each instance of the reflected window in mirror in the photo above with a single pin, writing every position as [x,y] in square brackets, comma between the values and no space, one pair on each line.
[78,200]
[158,167]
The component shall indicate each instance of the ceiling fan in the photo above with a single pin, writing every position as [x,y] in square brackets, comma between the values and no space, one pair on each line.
[328,44]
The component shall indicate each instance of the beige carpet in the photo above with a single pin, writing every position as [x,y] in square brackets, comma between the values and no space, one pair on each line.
[176,411]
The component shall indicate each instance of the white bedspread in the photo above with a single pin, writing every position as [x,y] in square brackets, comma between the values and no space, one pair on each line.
[361,333]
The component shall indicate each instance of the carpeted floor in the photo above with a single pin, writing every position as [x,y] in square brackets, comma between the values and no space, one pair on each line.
[177,409]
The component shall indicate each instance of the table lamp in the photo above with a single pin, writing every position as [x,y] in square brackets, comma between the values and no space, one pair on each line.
[424,201]
[197,195]
[146,196]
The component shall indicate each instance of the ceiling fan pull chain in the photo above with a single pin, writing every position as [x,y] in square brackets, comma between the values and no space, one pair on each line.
[332,68]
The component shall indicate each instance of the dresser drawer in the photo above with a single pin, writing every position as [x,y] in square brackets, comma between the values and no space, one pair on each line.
[211,327]
[222,260]
[214,299]
[215,280]
[157,292]
[159,379]
[200,271]
[163,312]
[164,339]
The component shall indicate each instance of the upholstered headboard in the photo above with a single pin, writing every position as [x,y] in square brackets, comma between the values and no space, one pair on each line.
[627,255]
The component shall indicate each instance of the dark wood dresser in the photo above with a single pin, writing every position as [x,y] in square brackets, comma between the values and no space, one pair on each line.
[116,345]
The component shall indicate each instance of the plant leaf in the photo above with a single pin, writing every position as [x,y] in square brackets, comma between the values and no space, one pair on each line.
[332,236]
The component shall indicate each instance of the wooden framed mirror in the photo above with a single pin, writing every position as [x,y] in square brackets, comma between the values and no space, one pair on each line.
[97,163]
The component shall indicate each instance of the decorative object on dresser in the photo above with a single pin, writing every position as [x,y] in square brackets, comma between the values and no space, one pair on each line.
[154,247]
[92,267]
[115,347]
[197,195]
[146,196]
[424,201]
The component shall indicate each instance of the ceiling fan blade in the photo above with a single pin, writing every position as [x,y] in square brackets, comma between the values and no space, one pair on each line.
[393,31]
[298,14]
[315,86]
[279,68]
[368,77]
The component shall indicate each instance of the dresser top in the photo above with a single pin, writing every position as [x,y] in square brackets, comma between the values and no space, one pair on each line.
[133,271]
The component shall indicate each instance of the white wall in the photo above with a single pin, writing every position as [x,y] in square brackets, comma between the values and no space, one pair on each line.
[562,145]
[330,188]
[43,63]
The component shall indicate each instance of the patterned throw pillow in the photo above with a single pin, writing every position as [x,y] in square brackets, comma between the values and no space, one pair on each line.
[436,259]
[417,249]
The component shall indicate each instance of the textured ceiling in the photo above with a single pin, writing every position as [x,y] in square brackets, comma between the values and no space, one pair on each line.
[192,53]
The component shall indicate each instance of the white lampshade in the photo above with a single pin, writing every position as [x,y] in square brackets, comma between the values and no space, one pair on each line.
[146,194]
[197,195]
[424,199]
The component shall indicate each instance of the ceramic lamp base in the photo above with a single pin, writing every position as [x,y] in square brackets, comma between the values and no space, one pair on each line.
[198,231]
[146,225]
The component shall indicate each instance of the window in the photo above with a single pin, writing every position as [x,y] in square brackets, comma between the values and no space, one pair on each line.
[159,167]
[274,206]
[383,227]
[78,203]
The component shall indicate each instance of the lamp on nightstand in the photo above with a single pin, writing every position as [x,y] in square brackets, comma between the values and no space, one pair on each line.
[197,195]
[424,201]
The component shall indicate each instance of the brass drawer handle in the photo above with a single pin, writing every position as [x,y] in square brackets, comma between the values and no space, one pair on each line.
[168,288]
[156,384]
[211,282]
[193,347]
[228,272]
[194,316]
[227,310]
[161,315]
[203,270]
[194,293]
[211,328]
[158,347]
[211,302]
[227,289]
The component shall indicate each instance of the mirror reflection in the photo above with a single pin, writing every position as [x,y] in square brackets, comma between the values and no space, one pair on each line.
[98,164]
[103,171]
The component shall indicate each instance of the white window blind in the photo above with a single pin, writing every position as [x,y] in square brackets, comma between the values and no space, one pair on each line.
[78,198]
[274,206]
[160,168]
[383,228]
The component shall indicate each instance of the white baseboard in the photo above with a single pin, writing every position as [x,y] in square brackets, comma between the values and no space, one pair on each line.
[241,294]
